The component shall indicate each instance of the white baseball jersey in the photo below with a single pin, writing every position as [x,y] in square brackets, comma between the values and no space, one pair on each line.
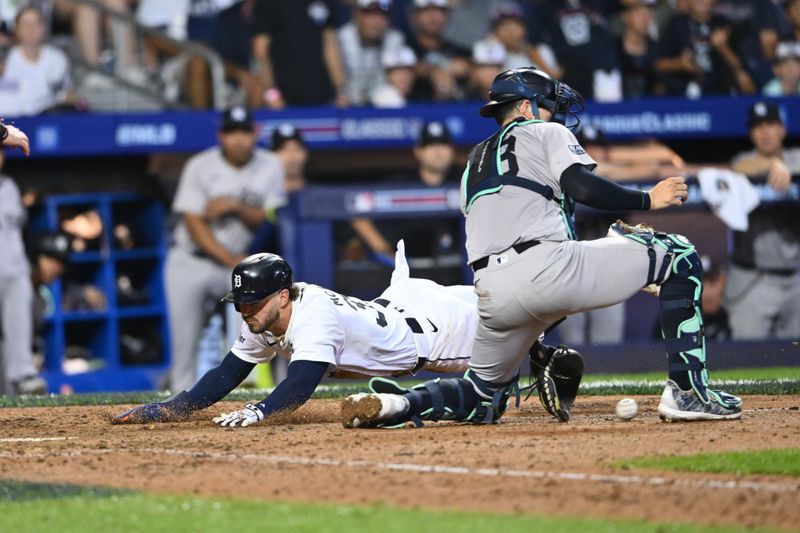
[354,337]
[412,318]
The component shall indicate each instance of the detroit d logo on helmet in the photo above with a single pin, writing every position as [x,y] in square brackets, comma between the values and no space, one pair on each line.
[237,281]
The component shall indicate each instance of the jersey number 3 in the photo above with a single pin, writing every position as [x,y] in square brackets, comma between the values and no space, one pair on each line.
[507,157]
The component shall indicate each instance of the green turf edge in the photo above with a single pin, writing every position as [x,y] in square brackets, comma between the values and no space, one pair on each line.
[767,373]
[777,462]
[152,512]
[775,381]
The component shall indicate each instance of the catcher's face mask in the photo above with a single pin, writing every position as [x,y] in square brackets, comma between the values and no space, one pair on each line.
[564,103]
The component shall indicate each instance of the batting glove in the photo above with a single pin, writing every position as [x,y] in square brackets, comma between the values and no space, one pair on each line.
[247,416]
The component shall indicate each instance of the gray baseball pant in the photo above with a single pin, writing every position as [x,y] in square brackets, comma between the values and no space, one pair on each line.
[520,295]
[16,317]
[191,282]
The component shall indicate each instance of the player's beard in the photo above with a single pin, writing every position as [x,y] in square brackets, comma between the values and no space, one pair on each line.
[260,326]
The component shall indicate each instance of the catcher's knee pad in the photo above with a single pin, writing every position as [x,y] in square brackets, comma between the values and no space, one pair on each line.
[650,238]
[467,399]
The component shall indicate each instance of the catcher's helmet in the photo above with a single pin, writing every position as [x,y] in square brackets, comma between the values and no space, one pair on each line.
[258,276]
[529,83]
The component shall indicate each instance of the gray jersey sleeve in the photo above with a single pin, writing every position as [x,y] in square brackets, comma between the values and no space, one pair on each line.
[563,150]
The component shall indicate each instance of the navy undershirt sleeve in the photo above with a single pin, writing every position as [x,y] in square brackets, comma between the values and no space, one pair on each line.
[301,380]
[219,381]
[601,193]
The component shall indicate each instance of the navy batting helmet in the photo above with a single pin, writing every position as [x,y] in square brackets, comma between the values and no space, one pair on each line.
[256,277]
[529,83]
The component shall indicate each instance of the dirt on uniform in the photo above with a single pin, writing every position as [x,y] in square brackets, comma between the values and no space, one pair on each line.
[528,463]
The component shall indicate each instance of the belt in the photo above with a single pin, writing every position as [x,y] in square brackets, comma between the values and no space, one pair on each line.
[783,272]
[420,363]
[483,262]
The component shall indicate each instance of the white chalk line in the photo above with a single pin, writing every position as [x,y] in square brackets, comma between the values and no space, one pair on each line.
[619,479]
[35,439]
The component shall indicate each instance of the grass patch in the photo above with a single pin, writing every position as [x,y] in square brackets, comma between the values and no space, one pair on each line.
[760,462]
[17,491]
[761,374]
[778,380]
[149,512]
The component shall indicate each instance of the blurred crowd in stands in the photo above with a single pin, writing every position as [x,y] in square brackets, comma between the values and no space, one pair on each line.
[388,53]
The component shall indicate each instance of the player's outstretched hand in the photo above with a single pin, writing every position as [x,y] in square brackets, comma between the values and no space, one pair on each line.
[668,192]
[17,139]
[144,414]
[175,409]
[248,415]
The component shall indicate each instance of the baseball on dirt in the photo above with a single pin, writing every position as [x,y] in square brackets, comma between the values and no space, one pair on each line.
[627,408]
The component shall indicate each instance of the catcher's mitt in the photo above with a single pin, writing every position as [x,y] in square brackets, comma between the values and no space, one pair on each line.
[556,374]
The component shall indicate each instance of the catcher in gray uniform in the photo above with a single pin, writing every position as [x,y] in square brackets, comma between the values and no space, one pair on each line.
[518,195]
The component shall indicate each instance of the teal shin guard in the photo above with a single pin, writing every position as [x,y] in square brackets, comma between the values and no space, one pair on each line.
[682,322]
[454,399]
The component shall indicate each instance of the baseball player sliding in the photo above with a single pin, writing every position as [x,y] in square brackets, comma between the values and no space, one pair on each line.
[415,324]
[518,193]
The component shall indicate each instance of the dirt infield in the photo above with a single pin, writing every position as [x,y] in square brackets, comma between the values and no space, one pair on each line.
[529,463]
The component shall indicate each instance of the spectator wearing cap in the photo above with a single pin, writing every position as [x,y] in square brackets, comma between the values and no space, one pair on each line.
[297,55]
[488,58]
[399,67]
[363,42]
[442,65]
[787,71]
[49,255]
[434,154]
[637,51]
[224,194]
[763,292]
